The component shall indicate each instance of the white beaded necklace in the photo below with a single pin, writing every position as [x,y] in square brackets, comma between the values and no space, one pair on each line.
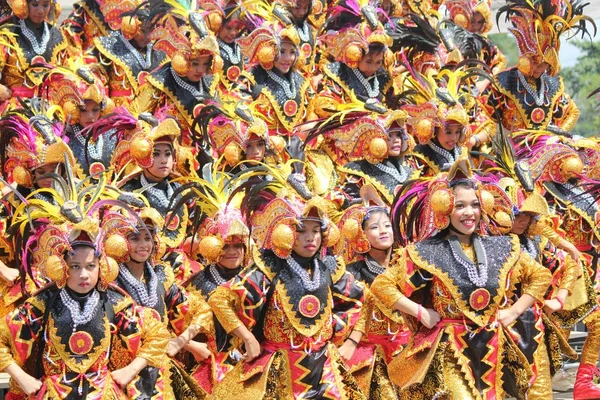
[197,92]
[450,157]
[538,96]
[235,54]
[304,32]
[372,91]
[94,149]
[148,296]
[288,87]
[38,47]
[400,176]
[215,275]
[477,276]
[145,63]
[374,266]
[163,198]
[309,284]
[89,310]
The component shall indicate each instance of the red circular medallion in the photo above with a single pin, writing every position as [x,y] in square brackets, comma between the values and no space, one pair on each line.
[173,221]
[81,343]
[538,115]
[309,306]
[479,299]
[96,168]
[290,108]
[233,73]
[306,50]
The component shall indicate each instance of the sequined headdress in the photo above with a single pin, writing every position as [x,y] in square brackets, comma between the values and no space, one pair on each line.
[71,218]
[461,12]
[423,207]
[184,36]
[263,44]
[275,208]
[30,140]
[71,88]
[538,26]
[436,100]
[128,16]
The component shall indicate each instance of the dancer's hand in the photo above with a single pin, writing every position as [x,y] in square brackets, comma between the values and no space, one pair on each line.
[123,376]
[430,317]
[5,93]
[10,275]
[508,316]
[199,350]
[347,350]
[252,348]
[29,384]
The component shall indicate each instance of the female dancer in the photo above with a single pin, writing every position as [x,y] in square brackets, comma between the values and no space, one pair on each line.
[369,235]
[460,287]
[291,306]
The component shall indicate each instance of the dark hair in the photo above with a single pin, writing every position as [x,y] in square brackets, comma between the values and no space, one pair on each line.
[376,48]
[464,183]
[78,244]
[372,211]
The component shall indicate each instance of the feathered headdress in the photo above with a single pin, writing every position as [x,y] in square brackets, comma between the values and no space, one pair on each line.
[538,26]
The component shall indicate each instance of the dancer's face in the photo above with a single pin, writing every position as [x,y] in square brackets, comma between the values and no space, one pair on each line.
[199,67]
[287,57]
[140,246]
[233,254]
[521,223]
[378,230]
[467,211]
[255,150]
[89,113]
[449,136]
[83,269]
[309,238]
[162,161]
[38,10]
[370,63]
[477,22]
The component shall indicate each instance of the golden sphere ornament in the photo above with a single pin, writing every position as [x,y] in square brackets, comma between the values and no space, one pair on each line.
[54,268]
[180,64]
[116,247]
[487,201]
[232,154]
[140,147]
[378,148]
[22,176]
[571,167]
[332,236]
[350,230]
[424,130]
[210,247]
[214,21]
[442,201]
[283,238]
[129,27]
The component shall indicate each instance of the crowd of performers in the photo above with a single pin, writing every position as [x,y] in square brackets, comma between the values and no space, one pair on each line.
[293,199]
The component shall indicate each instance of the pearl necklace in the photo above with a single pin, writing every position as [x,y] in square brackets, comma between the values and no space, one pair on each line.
[288,87]
[163,198]
[309,284]
[148,296]
[530,248]
[477,276]
[538,96]
[89,310]
[215,275]
[373,91]
[94,149]
[145,63]
[197,92]
[374,266]
[449,157]
[304,32]
[38,47]
[400,176]
[234,55]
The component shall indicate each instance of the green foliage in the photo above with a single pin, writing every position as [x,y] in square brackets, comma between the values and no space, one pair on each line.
[580,80]
[508,46]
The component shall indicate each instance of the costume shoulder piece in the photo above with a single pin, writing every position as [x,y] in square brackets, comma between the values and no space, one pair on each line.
[349,81]
[288,101]
[535,110]
[183,99]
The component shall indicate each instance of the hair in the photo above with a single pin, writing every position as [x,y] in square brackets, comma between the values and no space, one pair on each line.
[372,211]
[376,48]
[463,183]
[79,244]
